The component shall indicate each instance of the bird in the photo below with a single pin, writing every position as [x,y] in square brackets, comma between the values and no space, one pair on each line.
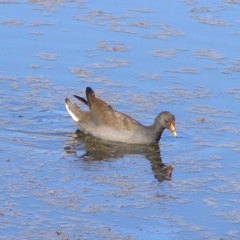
[104,122]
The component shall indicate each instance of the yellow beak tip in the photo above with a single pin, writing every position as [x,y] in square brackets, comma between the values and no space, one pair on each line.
[174,134]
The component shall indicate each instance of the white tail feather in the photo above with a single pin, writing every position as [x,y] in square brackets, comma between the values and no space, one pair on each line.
[74,117]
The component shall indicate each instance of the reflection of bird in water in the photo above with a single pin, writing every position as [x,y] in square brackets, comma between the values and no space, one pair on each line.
[88,148]
[104,122]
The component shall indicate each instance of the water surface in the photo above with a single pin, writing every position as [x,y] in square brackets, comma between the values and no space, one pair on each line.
[142,58]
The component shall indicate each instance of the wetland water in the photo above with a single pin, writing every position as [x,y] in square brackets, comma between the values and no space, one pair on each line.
[142,58]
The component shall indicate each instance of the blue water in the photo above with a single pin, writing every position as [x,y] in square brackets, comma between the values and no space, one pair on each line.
[57,185]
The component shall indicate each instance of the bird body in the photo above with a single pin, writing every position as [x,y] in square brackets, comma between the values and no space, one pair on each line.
[102,121]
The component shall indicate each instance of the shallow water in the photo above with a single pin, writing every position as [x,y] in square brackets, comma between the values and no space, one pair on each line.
[142,58]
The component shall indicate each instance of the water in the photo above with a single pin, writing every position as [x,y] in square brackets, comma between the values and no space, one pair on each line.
[142,58]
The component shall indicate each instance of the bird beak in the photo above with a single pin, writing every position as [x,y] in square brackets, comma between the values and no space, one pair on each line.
[172,128]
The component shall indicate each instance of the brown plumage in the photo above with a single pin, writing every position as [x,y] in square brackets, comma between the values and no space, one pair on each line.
[104,122]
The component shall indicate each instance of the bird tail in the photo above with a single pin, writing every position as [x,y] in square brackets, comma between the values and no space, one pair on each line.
[73,110]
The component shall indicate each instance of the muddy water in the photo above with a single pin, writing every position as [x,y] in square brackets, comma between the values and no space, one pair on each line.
[142,58]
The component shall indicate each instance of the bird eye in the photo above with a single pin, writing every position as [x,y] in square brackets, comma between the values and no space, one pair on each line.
[166,120]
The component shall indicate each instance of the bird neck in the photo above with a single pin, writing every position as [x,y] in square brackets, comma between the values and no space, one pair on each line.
[156,131]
